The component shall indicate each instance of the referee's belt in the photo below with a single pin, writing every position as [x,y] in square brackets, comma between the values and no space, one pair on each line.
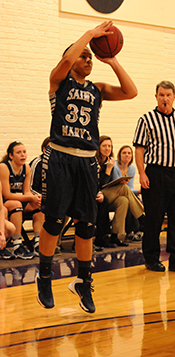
[73,151]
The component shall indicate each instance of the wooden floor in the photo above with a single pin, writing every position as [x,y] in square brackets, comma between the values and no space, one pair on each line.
[135,316]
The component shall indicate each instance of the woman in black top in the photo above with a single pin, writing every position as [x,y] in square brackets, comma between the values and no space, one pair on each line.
[17,196]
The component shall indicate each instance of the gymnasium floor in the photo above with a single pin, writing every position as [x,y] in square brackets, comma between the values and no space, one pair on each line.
[135,308]
[20,272]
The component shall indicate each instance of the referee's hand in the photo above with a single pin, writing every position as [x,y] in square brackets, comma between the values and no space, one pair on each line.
[144,181]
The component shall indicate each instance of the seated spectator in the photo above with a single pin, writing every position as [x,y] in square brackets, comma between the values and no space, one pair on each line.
[7,229]
[124,167]
[120,197]
[17,196]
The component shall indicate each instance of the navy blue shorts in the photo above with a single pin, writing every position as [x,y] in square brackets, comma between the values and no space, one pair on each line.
[69,186]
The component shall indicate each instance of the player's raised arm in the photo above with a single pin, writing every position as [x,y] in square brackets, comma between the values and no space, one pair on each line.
[127,88]
[73,52]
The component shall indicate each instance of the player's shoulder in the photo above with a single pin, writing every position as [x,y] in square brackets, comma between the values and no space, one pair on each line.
[4,166]
[4,170]
[35,161]
[99,85]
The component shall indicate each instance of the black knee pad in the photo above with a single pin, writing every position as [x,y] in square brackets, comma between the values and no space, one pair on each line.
[18,209]
[84,230]
[53,225]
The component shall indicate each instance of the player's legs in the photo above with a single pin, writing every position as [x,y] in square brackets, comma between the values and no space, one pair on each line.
[56,198]
[38,220]
[82,285]
[83,248]
[47,243]
[70,188]
[15,212]
[9,229]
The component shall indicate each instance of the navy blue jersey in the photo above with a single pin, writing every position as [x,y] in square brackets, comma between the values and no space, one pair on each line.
[75,113]
[36,175]
[16,181]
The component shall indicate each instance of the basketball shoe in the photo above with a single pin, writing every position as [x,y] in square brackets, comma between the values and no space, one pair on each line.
[5,254]
[83,288]
[21,252]
[45,296]
[36,248]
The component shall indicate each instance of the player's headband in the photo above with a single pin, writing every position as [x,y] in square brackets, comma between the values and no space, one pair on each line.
[11,146]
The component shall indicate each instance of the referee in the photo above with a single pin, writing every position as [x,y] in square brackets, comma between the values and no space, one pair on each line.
[154,142]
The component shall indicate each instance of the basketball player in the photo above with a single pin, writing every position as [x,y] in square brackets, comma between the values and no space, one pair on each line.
[69,164]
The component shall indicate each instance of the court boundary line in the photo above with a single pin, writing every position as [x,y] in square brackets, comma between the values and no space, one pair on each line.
[84,332]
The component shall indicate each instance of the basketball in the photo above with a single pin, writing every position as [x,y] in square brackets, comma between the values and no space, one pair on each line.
[108,46]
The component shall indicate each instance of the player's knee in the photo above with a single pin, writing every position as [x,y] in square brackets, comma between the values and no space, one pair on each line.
[84,230]
[15,210]
[53,225]
[12,205]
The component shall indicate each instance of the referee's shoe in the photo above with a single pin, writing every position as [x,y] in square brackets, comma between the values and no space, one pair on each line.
[83,288]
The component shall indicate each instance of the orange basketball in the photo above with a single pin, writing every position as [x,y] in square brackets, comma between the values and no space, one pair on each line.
[108,46]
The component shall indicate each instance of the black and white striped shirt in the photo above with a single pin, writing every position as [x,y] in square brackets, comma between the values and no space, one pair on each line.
[155,132]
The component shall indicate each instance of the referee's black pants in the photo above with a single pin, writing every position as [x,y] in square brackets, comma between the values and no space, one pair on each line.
[158,200]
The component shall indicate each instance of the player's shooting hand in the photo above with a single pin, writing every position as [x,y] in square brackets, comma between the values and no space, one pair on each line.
[103,29]
[108,60]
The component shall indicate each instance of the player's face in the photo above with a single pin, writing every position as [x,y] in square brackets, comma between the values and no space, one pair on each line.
[126,156]
[165,98]
[106,148]
[83,65]
[19,155]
